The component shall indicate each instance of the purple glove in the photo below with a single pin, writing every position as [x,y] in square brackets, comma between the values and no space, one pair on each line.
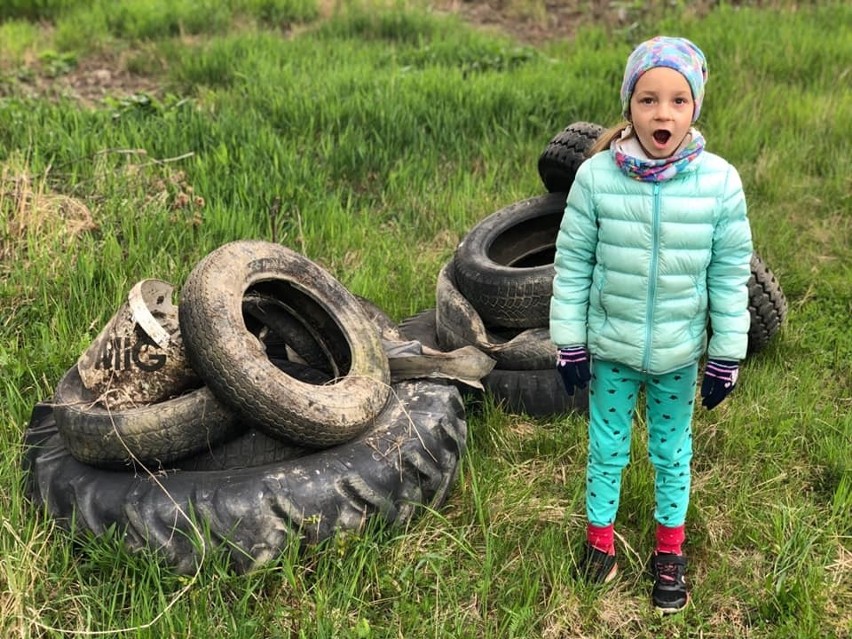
[573,365]
[720,377]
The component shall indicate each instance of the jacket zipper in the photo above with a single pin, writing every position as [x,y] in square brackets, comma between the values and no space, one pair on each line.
[652,276]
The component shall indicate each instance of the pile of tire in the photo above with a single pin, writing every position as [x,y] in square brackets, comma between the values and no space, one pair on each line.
[495,292]
[296,431]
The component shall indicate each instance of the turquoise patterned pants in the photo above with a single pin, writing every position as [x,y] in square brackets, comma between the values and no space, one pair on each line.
[670,400]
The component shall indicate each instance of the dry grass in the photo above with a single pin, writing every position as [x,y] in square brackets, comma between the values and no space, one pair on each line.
[33,214]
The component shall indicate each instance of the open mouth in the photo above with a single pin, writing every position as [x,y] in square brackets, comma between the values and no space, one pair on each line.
[662,136]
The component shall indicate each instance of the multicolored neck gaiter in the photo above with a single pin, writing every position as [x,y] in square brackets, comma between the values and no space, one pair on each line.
[640,167]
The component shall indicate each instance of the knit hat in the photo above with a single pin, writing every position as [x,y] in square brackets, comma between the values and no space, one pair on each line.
[675,53]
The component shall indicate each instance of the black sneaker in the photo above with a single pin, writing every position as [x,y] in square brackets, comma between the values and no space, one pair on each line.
[597,567]
[669,572]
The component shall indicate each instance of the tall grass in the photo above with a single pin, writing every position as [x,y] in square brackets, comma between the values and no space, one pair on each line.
[371,141]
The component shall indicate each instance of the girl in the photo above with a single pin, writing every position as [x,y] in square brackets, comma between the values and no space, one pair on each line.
[654,240]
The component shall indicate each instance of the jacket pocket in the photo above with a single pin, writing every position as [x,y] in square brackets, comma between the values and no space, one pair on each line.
[700,317]
[596,294]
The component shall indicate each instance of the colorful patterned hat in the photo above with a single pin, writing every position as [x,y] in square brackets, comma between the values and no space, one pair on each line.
[675,53]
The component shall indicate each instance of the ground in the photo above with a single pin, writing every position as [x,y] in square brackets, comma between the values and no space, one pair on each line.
[551,20]
[92,78]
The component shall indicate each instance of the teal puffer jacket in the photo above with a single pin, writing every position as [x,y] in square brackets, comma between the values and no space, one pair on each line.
[640,265]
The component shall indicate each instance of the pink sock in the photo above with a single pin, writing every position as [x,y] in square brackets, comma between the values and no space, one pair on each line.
[602,538]
[670,540]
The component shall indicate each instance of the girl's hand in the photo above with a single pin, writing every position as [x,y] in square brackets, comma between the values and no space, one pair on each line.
[720,378]
[573,365]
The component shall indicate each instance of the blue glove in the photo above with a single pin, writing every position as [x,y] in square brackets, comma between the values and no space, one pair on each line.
[720,378]
[573,365]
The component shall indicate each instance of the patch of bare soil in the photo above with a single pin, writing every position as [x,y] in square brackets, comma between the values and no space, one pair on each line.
[90,80]
[554,20]
[100,75]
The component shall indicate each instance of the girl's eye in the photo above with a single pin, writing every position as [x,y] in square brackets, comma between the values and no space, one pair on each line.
[646,101]
[681,101]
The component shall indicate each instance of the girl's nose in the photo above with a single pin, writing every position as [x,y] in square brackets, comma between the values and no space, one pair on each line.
[663,112]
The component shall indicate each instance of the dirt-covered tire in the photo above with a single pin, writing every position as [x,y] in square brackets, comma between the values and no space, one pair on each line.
[253,447]
[459,325]
[156,434]
[232,362]
[504,265]
[563,155]
[249,449]
[407,459]
[533,392]
[162,433]
[282,334]
[422,327]
[767,305]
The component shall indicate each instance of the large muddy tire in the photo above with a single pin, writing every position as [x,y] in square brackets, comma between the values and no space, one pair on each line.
[232,362]
[563,155]
[767,305]
[253,447]
[504,265]
[156,434]
[407,459]
[534,392]
[459,325]
[161,433]
[249,449]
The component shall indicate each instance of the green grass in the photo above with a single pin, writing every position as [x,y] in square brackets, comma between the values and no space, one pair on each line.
[370,140]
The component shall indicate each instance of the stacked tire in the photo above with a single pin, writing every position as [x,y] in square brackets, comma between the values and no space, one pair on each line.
[494,294]
[296,433]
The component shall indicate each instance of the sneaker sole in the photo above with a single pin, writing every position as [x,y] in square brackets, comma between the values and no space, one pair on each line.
[671,611]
